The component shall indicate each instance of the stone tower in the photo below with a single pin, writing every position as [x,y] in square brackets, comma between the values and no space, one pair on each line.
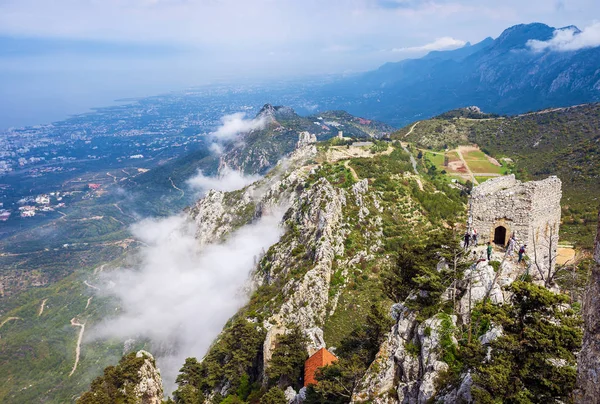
[504,206]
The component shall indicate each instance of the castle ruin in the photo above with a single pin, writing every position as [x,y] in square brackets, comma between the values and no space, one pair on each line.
[503,206]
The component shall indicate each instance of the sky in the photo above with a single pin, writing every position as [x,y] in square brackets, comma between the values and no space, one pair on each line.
[69,55]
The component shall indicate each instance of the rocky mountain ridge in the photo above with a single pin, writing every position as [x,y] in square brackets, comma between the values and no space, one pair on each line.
[504,76]
[261,149]
[368,266]
[311,268]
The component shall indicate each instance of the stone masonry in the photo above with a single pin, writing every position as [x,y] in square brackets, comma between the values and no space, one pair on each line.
[530,211]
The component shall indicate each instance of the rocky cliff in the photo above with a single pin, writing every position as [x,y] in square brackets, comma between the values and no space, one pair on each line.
[347,229]
[321,277]
[588,382]
[369,266]
[136,380]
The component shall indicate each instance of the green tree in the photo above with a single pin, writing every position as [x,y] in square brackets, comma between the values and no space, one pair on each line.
[188,381]
[235,354]
[287,363]
[336,382]
[364,341]
[356,352]
[117,382]
[534,361]
[274,396]
[416,270]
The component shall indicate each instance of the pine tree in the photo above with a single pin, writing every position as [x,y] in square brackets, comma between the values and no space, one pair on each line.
[274,396]
[286,367]
[534,361]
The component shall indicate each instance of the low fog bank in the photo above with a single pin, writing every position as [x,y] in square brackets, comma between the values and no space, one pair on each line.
[178,296]
[181,296]
[228,180]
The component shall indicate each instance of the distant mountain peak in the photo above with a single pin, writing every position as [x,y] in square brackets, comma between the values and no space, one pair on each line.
[517,36]
[267,109]
[573,28]
[461,53]
[272,112]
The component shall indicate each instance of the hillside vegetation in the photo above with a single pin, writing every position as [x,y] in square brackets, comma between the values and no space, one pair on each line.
[563,142]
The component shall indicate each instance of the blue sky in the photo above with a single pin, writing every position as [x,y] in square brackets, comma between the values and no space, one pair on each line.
[70,51]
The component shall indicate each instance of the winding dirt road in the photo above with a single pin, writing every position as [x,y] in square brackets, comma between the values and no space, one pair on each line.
[411,129]
[8,319]
[91,286]
[42,307]
[75,323]
[179,189]
[354,175]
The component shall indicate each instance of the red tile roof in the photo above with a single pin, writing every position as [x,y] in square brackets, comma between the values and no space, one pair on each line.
[319,359]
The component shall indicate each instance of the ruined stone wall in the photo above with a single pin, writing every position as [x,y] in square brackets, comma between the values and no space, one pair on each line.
[545,220]
[530,211]
[501,201]
[494,185]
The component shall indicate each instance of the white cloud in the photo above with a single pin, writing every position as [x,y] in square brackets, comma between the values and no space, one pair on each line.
[569,40]
[234,124]
[444,43]
[294,33]
[181,296]
[228,180]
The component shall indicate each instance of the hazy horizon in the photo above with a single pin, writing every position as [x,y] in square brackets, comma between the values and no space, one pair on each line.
[66,57]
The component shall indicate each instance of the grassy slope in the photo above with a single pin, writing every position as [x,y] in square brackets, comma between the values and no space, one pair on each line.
[37,352]
[565,143]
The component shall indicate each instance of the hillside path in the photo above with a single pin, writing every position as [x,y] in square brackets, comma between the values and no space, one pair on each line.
[414,163]
[8,319]
[86,283]
[354,175]
[411,129]
[412,158]
[75,323]
[42,307]
[179,189]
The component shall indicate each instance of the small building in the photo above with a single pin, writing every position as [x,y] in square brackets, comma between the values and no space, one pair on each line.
[42,200]
[319,359]
[504,206]
[94,187]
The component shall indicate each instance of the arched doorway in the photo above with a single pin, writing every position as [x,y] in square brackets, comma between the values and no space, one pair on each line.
[500,235]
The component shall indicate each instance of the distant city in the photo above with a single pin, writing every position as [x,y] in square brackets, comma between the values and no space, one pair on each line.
[45,167]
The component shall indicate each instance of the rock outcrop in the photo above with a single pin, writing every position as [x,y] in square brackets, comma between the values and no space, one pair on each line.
[219,213]
[588,381]
[409,361]
[135,380]
[306,138]
[317,213]
[149,390]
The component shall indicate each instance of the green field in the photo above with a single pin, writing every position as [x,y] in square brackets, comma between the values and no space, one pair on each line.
[436,158]
[478,162]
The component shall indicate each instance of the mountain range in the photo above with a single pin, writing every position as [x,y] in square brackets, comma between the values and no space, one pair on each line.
[506,75]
